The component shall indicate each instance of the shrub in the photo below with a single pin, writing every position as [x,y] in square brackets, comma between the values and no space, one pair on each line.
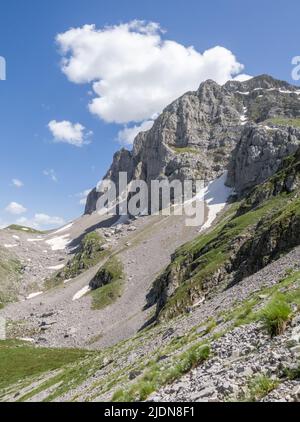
[276,315]
[261,386]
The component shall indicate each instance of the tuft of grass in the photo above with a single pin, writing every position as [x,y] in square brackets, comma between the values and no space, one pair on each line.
[108,294]
[260,387]
[276,315]
[293,374]
[158,375]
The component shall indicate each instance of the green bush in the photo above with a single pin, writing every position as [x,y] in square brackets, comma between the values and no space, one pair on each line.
[260,387]
[276,315]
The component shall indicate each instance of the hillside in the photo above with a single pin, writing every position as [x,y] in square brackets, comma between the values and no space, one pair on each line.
[146,308]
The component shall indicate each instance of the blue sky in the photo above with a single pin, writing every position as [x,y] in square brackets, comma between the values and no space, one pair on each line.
[263,36]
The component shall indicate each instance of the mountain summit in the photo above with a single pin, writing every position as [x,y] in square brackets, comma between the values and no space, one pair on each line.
[195,136]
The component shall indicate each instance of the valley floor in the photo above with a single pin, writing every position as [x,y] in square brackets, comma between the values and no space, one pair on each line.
[56,319]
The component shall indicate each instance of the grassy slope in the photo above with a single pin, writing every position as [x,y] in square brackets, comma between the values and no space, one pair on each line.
[195,265]
[18,361]
[169,360]
[106,295]
[24,229]
[10,269]
[89,255]
[284,121]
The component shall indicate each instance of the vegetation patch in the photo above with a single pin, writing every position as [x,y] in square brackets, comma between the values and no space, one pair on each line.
[260,387]
[25,229]
[90,254]
[10,273]
[109,293]
[276,315]
[159,375]
[284,121]
[18,361]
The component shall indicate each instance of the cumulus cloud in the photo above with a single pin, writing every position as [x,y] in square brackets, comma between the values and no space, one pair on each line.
[51,174]
[41,221]
[127,135]
[71,133]
[17,183]
[15,209]
[134,71]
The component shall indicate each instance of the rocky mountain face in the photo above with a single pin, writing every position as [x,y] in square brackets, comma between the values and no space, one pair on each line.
[195,136]
[259,154]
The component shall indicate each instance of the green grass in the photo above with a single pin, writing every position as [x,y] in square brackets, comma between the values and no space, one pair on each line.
[18,361]
[293,374]
[157,376]
[24,229]
[90,254]
[107,295]
[284,121]
[276,315]
[260,387]
[10,272]
[185,150]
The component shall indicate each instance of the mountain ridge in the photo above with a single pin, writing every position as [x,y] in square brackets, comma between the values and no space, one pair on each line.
[206,126]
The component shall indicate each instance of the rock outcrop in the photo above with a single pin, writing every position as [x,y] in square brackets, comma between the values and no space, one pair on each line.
[259,154]
[194,136]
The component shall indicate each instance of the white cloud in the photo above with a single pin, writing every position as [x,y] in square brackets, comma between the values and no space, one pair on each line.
[134,72]
[70,133]
[15,208]
[41,221]
[51,174]
[127,135]
[17,183]
[3,224]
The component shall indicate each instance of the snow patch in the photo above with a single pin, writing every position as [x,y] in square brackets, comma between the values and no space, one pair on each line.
[33,295]
[244,118]
[81,293]
[38,239]
[63,228]
[216,195]
[56,267]
[26,339]
[68,281]
[16,237]
[59,243]
[10,246]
